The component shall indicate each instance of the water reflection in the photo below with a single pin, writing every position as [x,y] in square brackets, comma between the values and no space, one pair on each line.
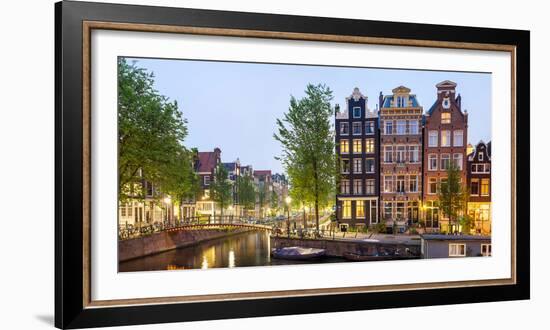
[247,249]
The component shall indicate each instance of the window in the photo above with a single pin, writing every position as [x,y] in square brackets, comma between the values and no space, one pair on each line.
[445,161]
[432,186]
[369,165]
[346,209]
[480,157]
[401,127]
[344,146]
[369,127]
[356,128]
[458,138]
[400,184]
[413,126]
[344,128]
[481,168]
[388,154]
[457,158]
[357,146]
[206,180]
[400,154]
[369,146]
[356,112]
[149,187]
[344,187]
[369,187]
[457,250]
[345,166]
[123,210]
[357,187]
[432,139]
[413,183]
[432,214]
[474,187]
[401,101]
[360,209]
[372,211]
[389,127]
[414,154]
[446,118]
[484,187]
[486,250]
[432,162]
[388,183]
[387,210]
[445,138]
[400,210]
[357,165]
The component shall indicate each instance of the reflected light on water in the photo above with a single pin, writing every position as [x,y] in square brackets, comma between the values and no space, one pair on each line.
[231,259]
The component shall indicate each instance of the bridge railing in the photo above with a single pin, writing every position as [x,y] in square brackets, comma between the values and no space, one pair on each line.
[128,231]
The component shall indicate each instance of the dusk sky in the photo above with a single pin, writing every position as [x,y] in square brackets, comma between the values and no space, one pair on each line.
[234,106]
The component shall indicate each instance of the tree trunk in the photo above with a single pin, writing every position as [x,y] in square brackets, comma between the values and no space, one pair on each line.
[316,184]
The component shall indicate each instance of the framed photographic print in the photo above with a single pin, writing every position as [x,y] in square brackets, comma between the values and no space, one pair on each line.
[214,164]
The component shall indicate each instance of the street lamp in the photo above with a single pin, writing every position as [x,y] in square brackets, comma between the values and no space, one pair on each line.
[288,200]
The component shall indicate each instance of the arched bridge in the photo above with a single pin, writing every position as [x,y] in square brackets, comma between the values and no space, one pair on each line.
[233,225]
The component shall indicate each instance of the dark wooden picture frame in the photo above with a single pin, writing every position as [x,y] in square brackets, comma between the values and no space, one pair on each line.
[73,24]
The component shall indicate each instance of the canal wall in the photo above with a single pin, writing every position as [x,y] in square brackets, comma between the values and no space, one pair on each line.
[169,240]
[338,247]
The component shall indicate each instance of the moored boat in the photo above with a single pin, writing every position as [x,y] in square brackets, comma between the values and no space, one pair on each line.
[359,257]
[297,253]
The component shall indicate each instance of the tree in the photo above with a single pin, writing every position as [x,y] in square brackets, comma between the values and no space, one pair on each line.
[452,195]
[274,201]
[221,188]
[246,191]
[181,181]
[306,135]
[151,130]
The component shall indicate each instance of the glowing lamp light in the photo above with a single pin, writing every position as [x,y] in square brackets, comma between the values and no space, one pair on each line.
[288,200]
[167,200]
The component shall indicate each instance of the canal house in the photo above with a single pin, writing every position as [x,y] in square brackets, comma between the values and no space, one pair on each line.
[479,185]
[357,147]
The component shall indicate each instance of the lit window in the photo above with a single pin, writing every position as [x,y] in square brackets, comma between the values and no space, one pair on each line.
[432,139]
[388,210]
[356,128]
[369,146]
[356,112]
[457,250]
[346,209]
[344,128]
[344,146]
[484,187]
[446,118]
[357,146]
[432,162]
[445,138]
[400,210]
[458,138]
[360,209]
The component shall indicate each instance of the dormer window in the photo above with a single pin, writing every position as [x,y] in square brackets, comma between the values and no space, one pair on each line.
[401,101]
[480,157]
[356,112]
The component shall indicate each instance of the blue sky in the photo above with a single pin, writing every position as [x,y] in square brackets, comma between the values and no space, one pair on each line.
[234,106]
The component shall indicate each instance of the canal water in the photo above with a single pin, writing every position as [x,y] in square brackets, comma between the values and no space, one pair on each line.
[241,250]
